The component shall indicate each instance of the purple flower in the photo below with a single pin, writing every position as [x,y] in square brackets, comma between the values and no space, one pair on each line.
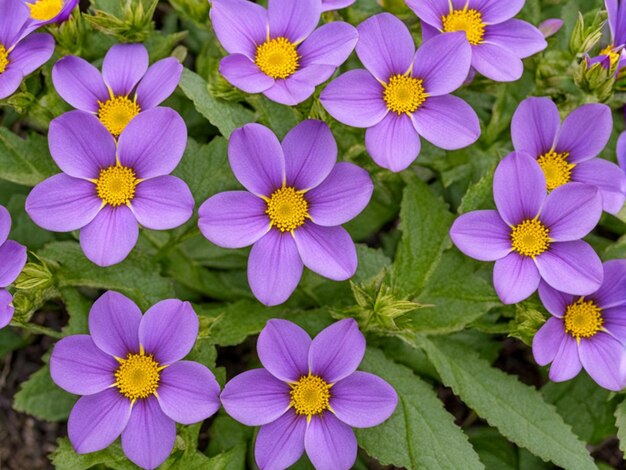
[566,152]
[105,189]
[533,236]
[278,51]
[20,54]
[308,396]
[132,379]
[404,94]
[43,12]
[587,331]
[498,41]
[613,54]
[12,261]
[621,151]
[298,198]
[328,5]
[126,87]
[550,27]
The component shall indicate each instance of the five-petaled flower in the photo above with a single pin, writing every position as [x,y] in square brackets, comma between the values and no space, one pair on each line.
[132,379]
[534,236]
[587,331]
[404,94]
[12,260]
[298,198]
[278,51]
[498,41]
[107,188]
[126,87]
[309,395]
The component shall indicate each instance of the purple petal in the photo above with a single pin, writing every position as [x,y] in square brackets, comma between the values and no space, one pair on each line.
[78,366]
[110,237]
[393,143]
[5,224]
[188,392]
[429,11]
[566,364]
[482,235]
[363,400]
[168,330]
[328,5]
[274,268]
[162,203]
[6,308]
[337,351]
[14,15]
[342,196]
[10,81]
[612,9]
[97,420]
[328,251]
[550,27]
[621,151]
[608,178]
[81,145]
[233,219]
[79,83]
[255,397]
[123,66]
[240,25]
[13,258]
[356,99]
[571,211]
[555,302]
[300,86]
[149,437]
[330,444]
[283,349]
[612,293]
[571,267]
[497,63]
[585,132]
[243,73]
[62,203]
[114,324]
[293,20]
[515,278]
[153,143]
[534,126]
[331,44]
[519,37]
[496,11]
[547,340]
[615,322]
[385,46]
[281,443]
[602,357]
[158,83]
[32,52]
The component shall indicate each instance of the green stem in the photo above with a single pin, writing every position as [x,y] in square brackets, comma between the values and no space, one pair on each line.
[38,329]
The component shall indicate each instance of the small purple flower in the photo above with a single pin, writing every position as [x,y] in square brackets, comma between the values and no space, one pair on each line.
[613,54]
[43,12]
[107,190]
[126,87]
[587,331]
[12,261]
[308,396]
[533,236]
[328,5]
[278,51]
[298,198]
[566,152]
[550,27]
[404,94]
[132,379]
[498,41]
[20,54]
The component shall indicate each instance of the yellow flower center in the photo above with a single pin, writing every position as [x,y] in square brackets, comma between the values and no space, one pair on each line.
[287,209]
[310,396]
[137,376]
[556,169]
[613,56]
[116,113]
[404,94]
[583,319]
[470,21]
[44,10]
[277,58]
[530,238]
[4,58]
[116,185]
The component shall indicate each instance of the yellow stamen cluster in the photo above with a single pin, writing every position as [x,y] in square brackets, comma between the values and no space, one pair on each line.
[404,94]
[530,238]
[44,10]
[613,56]
[310,396]
[287,209]
[277,58]
[138,376]
[116,185]
[470,21]
[556,168]
[583,319]
[4,58]
[117,112]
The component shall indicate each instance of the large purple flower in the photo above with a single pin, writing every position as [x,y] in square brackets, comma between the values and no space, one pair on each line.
[125,88]
[12,261]
[107,190]
[298,198]
[567,152]
[43,12]
[133,381]
[20,54]
[533,236]
[308,396]
[498,41]
[278,51]
[404,94]
[587,331]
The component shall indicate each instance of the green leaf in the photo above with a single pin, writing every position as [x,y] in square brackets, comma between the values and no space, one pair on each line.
[10,340]
[25,161]
[64,458]
[421,433]
[227,433]
[620,422]
[479,195]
